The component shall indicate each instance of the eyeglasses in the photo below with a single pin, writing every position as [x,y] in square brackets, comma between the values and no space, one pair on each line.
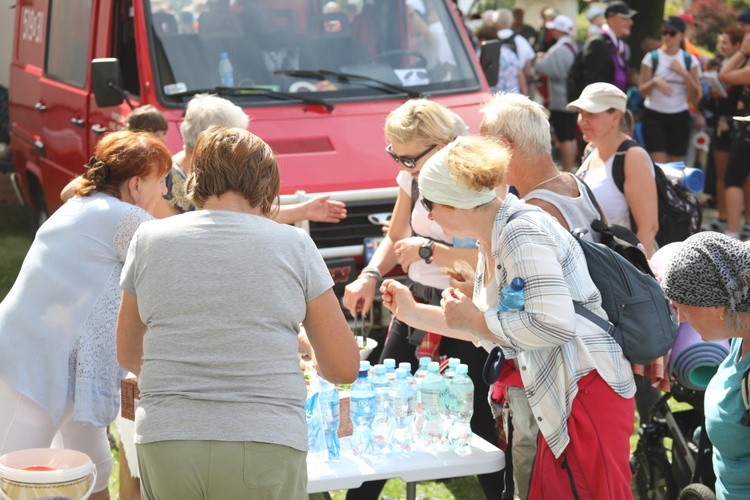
[668,32]
[427,204]
[408,162]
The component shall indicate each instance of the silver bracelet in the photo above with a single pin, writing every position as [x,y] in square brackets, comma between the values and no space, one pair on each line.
[372,271]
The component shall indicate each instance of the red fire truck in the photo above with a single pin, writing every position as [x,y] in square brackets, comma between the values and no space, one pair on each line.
[317,79]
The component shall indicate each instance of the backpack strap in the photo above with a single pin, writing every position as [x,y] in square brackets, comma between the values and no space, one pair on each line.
[593,199]
[618,164]
[688,59]
[578,306]
[654,61]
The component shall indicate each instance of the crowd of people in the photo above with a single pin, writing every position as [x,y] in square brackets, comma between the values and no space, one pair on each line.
[146,269]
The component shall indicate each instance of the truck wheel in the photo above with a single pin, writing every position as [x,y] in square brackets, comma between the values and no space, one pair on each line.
[38,213]
[697,491]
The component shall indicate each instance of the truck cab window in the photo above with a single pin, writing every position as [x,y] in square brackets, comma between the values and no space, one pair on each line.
[68,41]
[123,40]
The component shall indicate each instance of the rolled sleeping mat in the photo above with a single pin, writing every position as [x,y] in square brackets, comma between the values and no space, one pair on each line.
[693,362]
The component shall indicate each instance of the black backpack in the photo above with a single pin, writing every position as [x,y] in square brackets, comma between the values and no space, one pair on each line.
[640,318]
[680,213]
[576,83]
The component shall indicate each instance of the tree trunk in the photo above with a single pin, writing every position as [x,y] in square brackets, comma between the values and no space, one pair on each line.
[647,22]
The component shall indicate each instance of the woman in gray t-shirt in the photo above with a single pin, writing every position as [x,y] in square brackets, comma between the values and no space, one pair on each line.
[215,344]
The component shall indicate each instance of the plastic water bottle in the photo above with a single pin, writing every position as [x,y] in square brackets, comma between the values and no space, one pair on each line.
[409,377]
[511,297]
[418,377]
[226,72]
[362,411]
[316,441]
[422,370]
[433,407]
[390,369]
[402,400]
[450,372]
[330,412]
[461,408]
[380,426]
[464,242]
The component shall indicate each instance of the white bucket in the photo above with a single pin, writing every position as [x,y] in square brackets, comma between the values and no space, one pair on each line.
[365,348]
[46,473]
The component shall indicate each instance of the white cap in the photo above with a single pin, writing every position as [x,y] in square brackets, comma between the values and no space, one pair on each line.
[561,23]
[599,97]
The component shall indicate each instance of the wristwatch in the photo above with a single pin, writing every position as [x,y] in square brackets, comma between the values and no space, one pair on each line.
[425,251]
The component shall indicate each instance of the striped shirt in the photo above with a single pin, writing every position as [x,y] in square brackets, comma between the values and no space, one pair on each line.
[554,347]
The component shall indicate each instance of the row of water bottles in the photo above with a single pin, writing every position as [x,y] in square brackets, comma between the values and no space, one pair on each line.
[391,410]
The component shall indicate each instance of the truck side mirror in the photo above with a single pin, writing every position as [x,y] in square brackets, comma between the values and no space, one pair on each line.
[489,60]
[106,81]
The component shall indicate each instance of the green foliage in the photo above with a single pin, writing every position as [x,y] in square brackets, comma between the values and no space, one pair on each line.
[14,243]
[714,15]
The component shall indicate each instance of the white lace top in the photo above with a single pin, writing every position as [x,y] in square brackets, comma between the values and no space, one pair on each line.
[57,324]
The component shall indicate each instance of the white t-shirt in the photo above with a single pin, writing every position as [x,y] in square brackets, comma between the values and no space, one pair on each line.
[523,47]
[602,184]
[656,100]
[420,271]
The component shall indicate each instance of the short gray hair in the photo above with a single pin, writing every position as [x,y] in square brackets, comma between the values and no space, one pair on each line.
[205,110]
[520,121]
[502,19]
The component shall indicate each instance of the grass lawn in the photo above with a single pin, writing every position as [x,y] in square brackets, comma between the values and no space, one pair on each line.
[14,243]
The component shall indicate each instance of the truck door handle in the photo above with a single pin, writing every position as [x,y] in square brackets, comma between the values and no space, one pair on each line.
[40,107]
[78,122]
[98,129]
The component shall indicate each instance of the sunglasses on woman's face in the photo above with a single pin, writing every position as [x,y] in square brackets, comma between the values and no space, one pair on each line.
[668,32]
[427,204]
[406,161]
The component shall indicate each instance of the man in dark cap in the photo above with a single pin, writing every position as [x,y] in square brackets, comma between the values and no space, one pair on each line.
[743,20]
[605,56]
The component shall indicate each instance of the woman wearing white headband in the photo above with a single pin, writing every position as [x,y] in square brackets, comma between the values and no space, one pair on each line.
[579,384]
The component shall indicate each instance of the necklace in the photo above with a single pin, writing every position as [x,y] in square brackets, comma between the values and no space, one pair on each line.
[545,182]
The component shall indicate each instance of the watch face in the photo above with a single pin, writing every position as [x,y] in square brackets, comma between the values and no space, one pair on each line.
[425,251]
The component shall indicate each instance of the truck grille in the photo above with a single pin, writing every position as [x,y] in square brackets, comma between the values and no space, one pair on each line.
[353,229]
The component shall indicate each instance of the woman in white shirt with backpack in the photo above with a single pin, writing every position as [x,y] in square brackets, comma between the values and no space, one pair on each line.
[669,78]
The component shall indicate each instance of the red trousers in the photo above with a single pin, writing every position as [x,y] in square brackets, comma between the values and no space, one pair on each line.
[595,464]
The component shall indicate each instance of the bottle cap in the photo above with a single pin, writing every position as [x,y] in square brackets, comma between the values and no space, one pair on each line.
[434,366]
[425,360]
[462,368]
[401,373]
[405,365]
[364,366]
[453,362]
[223,55]
[517,284]
[380,369]
[389,363]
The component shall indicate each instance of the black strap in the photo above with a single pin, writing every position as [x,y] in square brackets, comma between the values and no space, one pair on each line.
[618,164]
[593,199]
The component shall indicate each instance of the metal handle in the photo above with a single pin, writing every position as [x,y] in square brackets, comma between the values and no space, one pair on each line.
[40,107]
[98,129]
[78,122]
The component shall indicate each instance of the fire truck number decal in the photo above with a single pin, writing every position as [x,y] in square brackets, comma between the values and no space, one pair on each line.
[32,26]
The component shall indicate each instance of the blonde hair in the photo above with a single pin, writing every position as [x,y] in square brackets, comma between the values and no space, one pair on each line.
[520,121]
[233,159]
[426,122]
[478,162]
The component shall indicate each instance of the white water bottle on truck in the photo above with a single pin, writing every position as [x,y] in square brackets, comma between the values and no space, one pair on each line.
[226,72]
[512,297]
[362,411]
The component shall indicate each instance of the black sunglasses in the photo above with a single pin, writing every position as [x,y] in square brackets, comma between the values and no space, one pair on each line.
[408,162]
[427,204]
[668,32]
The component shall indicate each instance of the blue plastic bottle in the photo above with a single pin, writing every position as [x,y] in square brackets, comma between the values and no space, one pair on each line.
[419,377]
[460,409]
[422,370]
[511,297]
[409,377]
[390,369]
[362,411]
[226,72]
[450,372]
[316,441]
[330,412]
[380,426]
[402,401]
[464,242]
[433,407]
